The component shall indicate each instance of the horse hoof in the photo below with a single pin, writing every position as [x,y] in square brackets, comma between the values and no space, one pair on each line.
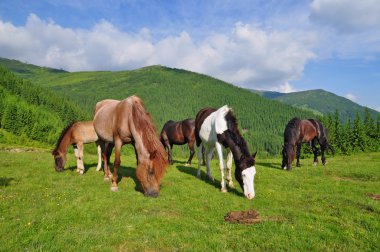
[199,176]
[315,163]
[211,178]
[106,179]
[114,188]
[223,190]
[187,164]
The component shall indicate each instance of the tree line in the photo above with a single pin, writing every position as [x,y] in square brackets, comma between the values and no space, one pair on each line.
[360,135]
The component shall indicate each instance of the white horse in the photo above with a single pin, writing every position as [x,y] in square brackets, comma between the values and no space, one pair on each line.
[217,129]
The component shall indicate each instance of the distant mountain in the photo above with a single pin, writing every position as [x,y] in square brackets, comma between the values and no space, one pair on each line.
[171,94]
[319,102]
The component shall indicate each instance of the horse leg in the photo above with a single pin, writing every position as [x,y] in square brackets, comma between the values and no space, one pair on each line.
[116,165]
[78,151]
[99,166]
[199,154]
[323,158]
[192,152]
[210,151]
[103,147]
[222,166]
[203,155]
[298,154]
[315,151]
[229,168]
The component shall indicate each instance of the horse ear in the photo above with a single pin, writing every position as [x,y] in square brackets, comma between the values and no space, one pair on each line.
[254,155]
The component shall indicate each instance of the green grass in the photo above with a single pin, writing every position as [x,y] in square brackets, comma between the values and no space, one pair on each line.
[307,209]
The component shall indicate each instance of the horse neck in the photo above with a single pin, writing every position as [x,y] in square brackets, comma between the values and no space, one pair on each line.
[238,146]
[64,142]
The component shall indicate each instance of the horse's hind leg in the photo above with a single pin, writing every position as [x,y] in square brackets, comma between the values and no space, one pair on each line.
[323,158]
[298,154]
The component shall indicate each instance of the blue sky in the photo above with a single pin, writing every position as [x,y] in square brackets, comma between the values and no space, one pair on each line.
[272,45]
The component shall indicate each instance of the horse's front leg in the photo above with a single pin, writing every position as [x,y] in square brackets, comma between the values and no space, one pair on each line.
[315,152]
[192,152]
[298,154]
[229,168]
[222,165]
[199,153]
[99,166]
[116,165]
[78,150]
[323,158]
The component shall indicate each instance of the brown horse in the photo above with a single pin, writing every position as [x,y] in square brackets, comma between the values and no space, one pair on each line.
[299,131]
[76,134]
[179,133]
[127,122]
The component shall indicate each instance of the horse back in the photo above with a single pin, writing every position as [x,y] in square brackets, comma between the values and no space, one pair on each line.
[199,119]
[84,132]
[104,119]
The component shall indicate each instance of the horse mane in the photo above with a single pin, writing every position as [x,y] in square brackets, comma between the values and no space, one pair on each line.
[63,133]
[290,128]
[143,120]
[234,133]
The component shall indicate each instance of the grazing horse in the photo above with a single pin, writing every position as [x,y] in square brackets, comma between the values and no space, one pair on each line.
[179,133]
[299,131]
[217,129]
[75,134]
[127,122]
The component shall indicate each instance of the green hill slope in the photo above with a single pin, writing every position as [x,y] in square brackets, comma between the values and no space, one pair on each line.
[33,112]
[173,94]
[320,101]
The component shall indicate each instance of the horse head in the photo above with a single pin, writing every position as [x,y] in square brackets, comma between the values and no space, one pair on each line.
[59,160]
[288,154]
[245,174]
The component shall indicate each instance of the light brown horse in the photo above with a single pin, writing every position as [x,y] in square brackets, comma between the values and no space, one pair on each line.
[127,122]
[76,134]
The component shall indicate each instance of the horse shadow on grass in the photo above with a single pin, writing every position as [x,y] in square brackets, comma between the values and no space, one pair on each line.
[6,181]
[216,183]
[269,165]
[124,171]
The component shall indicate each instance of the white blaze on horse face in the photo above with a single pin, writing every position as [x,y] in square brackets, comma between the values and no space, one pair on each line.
[249,182]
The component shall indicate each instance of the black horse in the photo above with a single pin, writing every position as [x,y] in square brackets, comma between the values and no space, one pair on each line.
[179,133]
[299,131]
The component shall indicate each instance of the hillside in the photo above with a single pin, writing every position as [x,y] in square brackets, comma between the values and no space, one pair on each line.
[320,102]
[173,94]
[31,112]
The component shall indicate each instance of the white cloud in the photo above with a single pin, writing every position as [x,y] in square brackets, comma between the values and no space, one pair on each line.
[351,97]
[347,15]
[249,56]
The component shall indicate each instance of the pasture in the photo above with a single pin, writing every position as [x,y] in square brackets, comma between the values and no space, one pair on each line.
[310,208]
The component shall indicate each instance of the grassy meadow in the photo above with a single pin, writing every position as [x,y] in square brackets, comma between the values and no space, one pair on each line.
[308,209]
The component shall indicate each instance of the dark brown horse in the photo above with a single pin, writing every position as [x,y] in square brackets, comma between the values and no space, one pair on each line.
[127,122]
[179,133]
[299,131]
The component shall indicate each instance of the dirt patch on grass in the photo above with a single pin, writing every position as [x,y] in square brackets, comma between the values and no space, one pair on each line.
[374,196]
[249,217]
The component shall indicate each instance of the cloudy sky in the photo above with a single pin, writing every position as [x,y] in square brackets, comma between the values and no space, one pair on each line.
[275,45]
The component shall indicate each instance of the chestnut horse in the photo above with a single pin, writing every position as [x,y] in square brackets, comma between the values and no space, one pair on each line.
[299,131]
[75,134]
[127,122]
[217,129]
[179,133]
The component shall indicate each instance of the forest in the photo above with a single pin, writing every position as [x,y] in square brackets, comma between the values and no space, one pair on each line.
[39,105]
